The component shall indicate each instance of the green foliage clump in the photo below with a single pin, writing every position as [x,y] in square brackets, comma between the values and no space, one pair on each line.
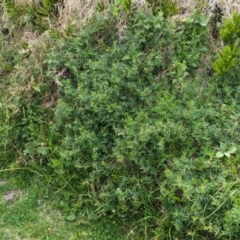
[135,127]
[230,31]
[228,57]
[191,34]
[121,117]
[35,14]
[127,4]
[167,7]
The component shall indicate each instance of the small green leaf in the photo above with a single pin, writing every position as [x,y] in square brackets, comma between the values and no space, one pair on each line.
[37,88]
[56,162]
[62,204]
[27,151]
[71,217]
[204,23]
[227,154]
[127,57]
[232,150]
[223,146]
[24,45]
[219,154]
[42,151]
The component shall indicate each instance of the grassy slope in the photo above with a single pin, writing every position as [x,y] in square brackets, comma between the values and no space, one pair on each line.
[32,213]
[29,214]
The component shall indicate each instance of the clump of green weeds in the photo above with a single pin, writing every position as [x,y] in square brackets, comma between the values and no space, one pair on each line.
[127,127]
[36,15]
[228,57]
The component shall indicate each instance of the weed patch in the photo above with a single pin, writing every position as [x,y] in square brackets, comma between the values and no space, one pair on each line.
[124,121]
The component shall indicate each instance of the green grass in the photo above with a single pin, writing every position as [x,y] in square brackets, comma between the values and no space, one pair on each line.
[123,128]
[29,215]
[32,214]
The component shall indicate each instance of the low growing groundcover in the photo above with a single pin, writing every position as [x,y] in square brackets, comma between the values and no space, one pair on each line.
[132,132]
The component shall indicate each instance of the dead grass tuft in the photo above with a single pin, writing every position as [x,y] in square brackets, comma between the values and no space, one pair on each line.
[73,12]
[76,12]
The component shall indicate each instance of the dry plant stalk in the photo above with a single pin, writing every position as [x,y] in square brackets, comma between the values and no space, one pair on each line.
[71,12]
[74,12]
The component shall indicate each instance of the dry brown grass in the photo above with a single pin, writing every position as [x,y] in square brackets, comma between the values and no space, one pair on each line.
[75,11]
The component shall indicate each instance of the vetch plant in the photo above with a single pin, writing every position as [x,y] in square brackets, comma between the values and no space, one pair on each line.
[225,150]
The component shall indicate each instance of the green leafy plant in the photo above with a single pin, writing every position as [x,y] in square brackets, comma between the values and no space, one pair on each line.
[191,34]
[100,6]
[229,55]
[226,59]
[230,32]
[11,8]
[46,7]
[36,15]
[168,7]
[225,151]
[126,4]
[125,123]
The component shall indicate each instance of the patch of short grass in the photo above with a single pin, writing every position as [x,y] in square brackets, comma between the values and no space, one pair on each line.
[27,213]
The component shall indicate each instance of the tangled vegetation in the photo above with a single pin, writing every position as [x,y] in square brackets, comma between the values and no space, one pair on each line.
[132,114]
